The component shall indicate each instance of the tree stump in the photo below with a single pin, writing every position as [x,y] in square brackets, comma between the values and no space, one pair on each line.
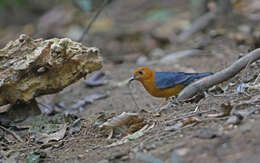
[31,68]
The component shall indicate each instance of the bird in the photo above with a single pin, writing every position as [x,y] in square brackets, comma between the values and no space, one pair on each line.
[165,84]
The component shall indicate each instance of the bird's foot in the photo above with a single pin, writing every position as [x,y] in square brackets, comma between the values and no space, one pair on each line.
[169,103]
[174,101]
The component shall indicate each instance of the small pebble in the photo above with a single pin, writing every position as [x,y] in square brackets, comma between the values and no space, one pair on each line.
[141,60]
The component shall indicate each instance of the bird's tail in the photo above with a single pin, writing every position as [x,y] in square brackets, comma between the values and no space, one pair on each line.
[195,76]
[202,75]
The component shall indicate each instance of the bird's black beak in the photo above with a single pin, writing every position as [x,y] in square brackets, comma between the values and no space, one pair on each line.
[131,79]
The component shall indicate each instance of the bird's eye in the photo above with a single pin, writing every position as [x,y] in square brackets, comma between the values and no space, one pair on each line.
[140,72]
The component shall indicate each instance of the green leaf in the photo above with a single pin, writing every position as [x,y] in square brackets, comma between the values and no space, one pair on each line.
[162,14]
[134,136]
[21,2]
[86,5]
[32,157]
[2,3]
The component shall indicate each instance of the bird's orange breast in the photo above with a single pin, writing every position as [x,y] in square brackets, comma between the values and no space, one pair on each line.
[150,86]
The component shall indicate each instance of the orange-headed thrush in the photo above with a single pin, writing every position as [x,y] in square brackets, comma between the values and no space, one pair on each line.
[165,84]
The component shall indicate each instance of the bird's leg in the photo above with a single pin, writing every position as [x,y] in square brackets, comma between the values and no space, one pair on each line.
[164,105]
[164,102]
[174,100]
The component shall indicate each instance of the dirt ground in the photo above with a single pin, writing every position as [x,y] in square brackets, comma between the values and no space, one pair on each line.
[209,140]
[237,143]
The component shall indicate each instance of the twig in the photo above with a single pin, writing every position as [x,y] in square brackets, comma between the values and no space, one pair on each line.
[246,68]
[254,110]
[93,19]
[12,133]
[257,78]
[201,23]
[132,96]
[213,119]
[190,114]
[219,77]
[175,57]
[197,109]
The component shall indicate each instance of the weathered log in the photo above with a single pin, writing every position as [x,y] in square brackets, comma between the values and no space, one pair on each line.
[31,68]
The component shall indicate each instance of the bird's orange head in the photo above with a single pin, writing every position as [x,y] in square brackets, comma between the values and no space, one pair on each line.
[141,74]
